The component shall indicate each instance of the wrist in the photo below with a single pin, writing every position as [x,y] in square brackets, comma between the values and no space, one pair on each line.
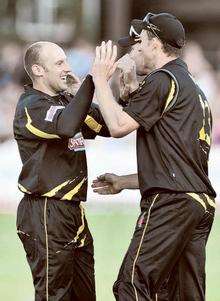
[122,183]
[99,79]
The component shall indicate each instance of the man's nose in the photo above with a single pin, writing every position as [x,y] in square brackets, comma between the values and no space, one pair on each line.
[67,67]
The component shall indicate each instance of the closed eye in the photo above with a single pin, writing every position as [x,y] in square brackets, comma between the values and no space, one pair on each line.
[59,63]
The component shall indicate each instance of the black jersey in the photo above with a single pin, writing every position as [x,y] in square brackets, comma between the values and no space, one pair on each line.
[54,162]
[174,137]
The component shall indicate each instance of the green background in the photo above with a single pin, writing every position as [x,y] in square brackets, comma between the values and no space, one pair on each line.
[112,229]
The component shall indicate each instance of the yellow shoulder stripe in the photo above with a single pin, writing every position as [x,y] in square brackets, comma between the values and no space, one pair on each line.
[171,94]
[203,136]
[52,192]
[68,196]
[198,199]
[36,131]
[93,124]
[23,189]
[210,201]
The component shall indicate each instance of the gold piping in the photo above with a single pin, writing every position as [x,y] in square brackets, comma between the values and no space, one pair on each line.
[23,189]
[171,94]
[47,248]
[210,201]
[139,248]
[68,196]
[53,191]
[197,198]
[36,131]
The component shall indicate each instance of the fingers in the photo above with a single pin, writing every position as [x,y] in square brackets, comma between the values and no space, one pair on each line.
[108,177]
[71,78]
[121,82]
[109,50]
[126,64]
[105,191]
[103,51]
[105,60]
[97,183]
[101,177]
[77,80]
[100,187]
[97,54]
[106,52]
[121,60]
[114,53]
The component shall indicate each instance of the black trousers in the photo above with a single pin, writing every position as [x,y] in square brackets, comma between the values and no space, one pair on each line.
[59,249]
[166,256]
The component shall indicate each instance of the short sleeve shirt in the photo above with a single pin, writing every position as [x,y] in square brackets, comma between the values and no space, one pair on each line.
[172,145]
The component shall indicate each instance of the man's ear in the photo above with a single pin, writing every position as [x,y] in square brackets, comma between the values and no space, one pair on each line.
[157,43]
[37,70]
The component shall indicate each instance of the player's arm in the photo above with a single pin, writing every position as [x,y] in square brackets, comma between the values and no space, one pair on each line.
[71,118]
[110,183]
[146,104]
[94,124]
[119,122]
[41,119]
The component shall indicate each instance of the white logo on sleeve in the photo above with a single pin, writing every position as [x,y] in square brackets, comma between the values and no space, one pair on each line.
[52,111]
[76,143]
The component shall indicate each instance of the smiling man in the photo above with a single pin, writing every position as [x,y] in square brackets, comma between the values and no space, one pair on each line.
[173,122]
[50,126]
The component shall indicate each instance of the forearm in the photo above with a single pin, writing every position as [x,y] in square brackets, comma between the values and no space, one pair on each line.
[74,114]
[111,111]
[128,182]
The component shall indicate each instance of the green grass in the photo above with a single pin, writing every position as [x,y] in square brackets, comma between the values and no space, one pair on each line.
[112,232]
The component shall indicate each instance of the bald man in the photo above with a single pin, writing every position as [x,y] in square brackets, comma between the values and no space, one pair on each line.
[50,126]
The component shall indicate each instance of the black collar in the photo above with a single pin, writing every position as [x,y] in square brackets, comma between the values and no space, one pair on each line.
[28,88]
[178,61]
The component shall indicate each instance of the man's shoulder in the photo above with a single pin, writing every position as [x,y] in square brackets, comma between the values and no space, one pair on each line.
[157,77]
[31,100]
[155,80]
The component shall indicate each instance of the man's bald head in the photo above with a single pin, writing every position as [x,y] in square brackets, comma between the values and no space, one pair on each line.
[35,54]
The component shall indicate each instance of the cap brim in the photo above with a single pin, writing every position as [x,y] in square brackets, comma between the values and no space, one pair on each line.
[126,41]
[138,25]
[129,41]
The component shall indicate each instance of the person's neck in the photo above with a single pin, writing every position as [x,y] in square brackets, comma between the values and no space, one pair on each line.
[163,60]
[41,87]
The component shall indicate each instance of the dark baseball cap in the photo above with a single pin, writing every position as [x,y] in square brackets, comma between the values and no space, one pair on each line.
[164,26]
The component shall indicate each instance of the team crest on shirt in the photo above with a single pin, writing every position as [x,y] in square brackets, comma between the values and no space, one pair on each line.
[76,143]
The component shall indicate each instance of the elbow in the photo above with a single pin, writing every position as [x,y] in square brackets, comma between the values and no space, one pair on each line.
[116,132]
[67,132]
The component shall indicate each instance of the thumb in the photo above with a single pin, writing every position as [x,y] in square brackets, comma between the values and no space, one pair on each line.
[109,177]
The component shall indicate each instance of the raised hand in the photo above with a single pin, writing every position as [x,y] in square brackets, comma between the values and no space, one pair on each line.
[105,61]
[107,184]
[127,77]
[73,83]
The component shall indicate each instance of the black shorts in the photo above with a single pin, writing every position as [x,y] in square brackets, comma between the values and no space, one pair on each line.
[59,248]
[166,256]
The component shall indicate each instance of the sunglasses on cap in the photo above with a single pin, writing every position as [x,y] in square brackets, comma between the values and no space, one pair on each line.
[146,24]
